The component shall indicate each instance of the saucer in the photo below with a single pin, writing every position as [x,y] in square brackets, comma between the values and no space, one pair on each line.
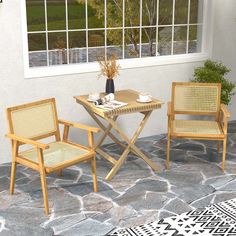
[147,101]
[91,100]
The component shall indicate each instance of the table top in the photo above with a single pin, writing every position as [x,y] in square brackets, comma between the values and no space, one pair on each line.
[128,96]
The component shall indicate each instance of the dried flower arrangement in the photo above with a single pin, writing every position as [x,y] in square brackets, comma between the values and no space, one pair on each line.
[109,67]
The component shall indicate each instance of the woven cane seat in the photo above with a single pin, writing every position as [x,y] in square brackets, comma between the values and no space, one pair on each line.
[196,127]
[56,154]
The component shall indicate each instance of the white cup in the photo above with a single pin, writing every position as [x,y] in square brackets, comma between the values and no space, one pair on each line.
[144,97]
[94,96]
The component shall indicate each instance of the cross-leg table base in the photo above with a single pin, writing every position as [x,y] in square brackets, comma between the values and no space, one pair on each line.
[130,147]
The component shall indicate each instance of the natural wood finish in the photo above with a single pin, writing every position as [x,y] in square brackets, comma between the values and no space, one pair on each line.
[221,115]
[106,156]
[28,163]
[59,172]
[94,174]
[43,180]
[79,126]
[13,165]
[109,134]
[51,101]
[129,97]
[224,109]
[66,133]
[224,154]
[18,158]
[27,141]
[66,164]
[218,147]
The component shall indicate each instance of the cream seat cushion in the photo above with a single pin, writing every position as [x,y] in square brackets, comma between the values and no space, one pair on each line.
[196,127]
[57,153]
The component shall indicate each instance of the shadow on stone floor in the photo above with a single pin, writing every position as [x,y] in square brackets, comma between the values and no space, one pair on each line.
[135,196]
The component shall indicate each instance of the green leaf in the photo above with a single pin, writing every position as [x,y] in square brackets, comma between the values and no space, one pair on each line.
[214,72]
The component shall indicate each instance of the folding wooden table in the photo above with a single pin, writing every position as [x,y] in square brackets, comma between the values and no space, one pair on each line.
[129,97]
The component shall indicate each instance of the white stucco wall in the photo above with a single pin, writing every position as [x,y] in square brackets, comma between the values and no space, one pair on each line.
[14,89]
[224,40]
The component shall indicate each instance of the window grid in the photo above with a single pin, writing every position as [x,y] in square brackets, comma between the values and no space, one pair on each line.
[187,43]
[105,24]
[157,28]
[140,27]
[67,33]
[86,19]
[173,28]
[113,28]
[46,30]
[123,28]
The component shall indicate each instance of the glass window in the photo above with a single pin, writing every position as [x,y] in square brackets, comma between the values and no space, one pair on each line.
[79,31]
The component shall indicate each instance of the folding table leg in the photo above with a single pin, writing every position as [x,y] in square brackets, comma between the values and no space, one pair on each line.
[131,146]
[106,133]
[100,124]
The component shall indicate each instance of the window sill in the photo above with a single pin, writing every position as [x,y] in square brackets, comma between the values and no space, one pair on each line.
[59,70]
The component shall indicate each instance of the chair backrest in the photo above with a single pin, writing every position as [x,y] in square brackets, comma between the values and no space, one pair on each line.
[196,98]
[34,120]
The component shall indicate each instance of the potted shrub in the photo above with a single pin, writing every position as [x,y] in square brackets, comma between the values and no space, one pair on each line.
[215,72]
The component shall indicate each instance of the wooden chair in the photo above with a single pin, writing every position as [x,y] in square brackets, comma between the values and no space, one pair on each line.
[201,99]
[34,121]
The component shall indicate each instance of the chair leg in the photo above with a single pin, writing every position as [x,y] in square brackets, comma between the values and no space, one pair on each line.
[224,155]
[59,172]
[94,173]
[218,146]
[45,191]
[13,173]
[168,153]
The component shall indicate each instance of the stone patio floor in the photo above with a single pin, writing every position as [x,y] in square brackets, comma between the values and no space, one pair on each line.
[135,196]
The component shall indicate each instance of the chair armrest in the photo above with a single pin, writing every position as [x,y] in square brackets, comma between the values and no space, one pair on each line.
[225,111]
[169,109]
[79,126]
[27,141]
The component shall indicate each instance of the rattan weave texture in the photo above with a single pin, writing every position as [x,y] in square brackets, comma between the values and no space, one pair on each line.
[196,127]
[34,121]
[196,98]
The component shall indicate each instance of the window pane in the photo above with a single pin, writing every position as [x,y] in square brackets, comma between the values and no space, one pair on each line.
[196,11]
[37,42]
[149,12]
[114,13]
[180,40]
[164,40]
[115,43]
[35,15]
[76,15]
[181,11]
[148,42]
[77,45]
[57,46]
[165,12]
[131,43]
[195,34]
[56,14]
[37,50]
[132,13]
[96,42]
[96,14]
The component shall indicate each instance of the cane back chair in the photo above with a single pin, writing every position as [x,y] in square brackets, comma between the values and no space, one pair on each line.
[200,99]
[34,121]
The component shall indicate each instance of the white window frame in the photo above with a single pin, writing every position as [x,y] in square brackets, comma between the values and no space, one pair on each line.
[46,71]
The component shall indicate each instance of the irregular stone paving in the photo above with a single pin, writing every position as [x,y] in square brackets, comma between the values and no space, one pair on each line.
[135,196]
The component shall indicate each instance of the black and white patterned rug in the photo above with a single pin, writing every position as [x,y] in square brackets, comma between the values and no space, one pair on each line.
[217,220]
